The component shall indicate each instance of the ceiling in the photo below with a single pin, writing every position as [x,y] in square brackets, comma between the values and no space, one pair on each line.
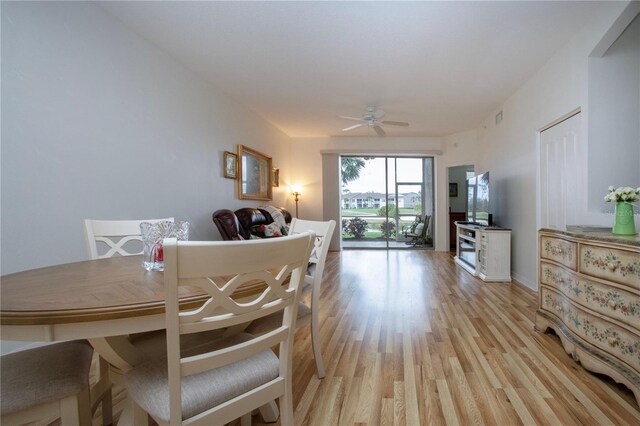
[441,66]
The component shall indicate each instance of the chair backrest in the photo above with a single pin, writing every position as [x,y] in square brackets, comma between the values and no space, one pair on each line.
[324,233]
[228,225]
[219,268]
[115,234]
[428,232]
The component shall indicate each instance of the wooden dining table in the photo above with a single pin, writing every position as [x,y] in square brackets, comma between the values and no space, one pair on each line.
[94,300]
[103,301]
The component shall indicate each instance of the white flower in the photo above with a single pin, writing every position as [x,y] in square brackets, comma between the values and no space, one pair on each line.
[622,194]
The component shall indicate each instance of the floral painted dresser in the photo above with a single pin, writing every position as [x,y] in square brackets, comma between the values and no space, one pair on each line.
[589,293]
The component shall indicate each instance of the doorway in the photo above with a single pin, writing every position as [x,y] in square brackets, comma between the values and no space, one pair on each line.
[383,201]
[457,178]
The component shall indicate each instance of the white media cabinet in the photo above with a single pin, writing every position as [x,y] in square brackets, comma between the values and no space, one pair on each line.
[484,251]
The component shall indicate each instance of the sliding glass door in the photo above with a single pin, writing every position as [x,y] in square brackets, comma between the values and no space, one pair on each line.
[384,200]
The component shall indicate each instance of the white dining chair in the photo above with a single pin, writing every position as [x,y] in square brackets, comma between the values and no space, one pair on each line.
[307,314]
[231,377]
[119,238]
[115,234]
[46,382]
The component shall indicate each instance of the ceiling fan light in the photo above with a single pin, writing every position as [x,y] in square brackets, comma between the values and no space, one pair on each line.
[371,118]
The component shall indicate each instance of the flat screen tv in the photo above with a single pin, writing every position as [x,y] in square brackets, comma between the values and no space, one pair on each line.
[481,210]
[471,198]
[478,200]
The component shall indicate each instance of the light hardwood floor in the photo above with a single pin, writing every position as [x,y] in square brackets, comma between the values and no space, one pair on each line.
[410,338]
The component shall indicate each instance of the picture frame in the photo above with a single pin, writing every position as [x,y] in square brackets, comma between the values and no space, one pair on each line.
[255,175]
[453,189]
[276,177]
[230,169]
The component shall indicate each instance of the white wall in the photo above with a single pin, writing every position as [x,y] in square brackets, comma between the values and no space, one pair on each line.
[99,123]
[614,118]
[511,147]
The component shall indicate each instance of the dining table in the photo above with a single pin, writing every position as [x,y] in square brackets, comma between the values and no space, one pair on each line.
[104,301]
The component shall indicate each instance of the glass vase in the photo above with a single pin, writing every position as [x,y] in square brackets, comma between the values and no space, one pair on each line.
[623,223]
[152,235]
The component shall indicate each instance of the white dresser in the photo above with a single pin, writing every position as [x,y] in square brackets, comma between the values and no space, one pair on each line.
[589,293]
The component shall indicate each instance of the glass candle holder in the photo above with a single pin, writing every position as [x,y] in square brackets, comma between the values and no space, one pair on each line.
[152,235]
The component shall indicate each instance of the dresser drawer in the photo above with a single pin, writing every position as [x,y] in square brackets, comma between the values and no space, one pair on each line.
[617,341]
[559,250]
[620,266]
[611,302]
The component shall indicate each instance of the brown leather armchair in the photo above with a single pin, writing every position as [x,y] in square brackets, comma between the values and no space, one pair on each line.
[244,222]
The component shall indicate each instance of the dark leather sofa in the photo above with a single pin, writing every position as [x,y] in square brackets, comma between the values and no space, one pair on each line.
[244,222]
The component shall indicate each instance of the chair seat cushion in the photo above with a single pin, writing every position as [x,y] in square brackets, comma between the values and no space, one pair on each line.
[273,321]
[45,374]
[147,383]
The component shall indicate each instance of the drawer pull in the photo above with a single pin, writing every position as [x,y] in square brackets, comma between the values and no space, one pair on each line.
[612,266]
[560,251]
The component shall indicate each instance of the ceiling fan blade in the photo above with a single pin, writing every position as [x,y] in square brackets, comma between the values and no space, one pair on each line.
[346,117]
[379,130]
[396,123]
[355,126]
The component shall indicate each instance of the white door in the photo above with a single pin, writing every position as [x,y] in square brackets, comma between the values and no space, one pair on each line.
[560,173]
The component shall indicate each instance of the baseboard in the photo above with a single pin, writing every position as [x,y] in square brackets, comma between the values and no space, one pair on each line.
[524,282]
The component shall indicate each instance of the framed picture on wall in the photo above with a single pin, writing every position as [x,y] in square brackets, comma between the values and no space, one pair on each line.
[453,189]
[230,165]
[255,171]
[275,179]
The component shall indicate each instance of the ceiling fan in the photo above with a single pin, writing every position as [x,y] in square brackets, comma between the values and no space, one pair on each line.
[372,118]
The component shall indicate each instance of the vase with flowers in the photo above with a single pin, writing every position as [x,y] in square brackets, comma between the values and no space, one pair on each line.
[623,223]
